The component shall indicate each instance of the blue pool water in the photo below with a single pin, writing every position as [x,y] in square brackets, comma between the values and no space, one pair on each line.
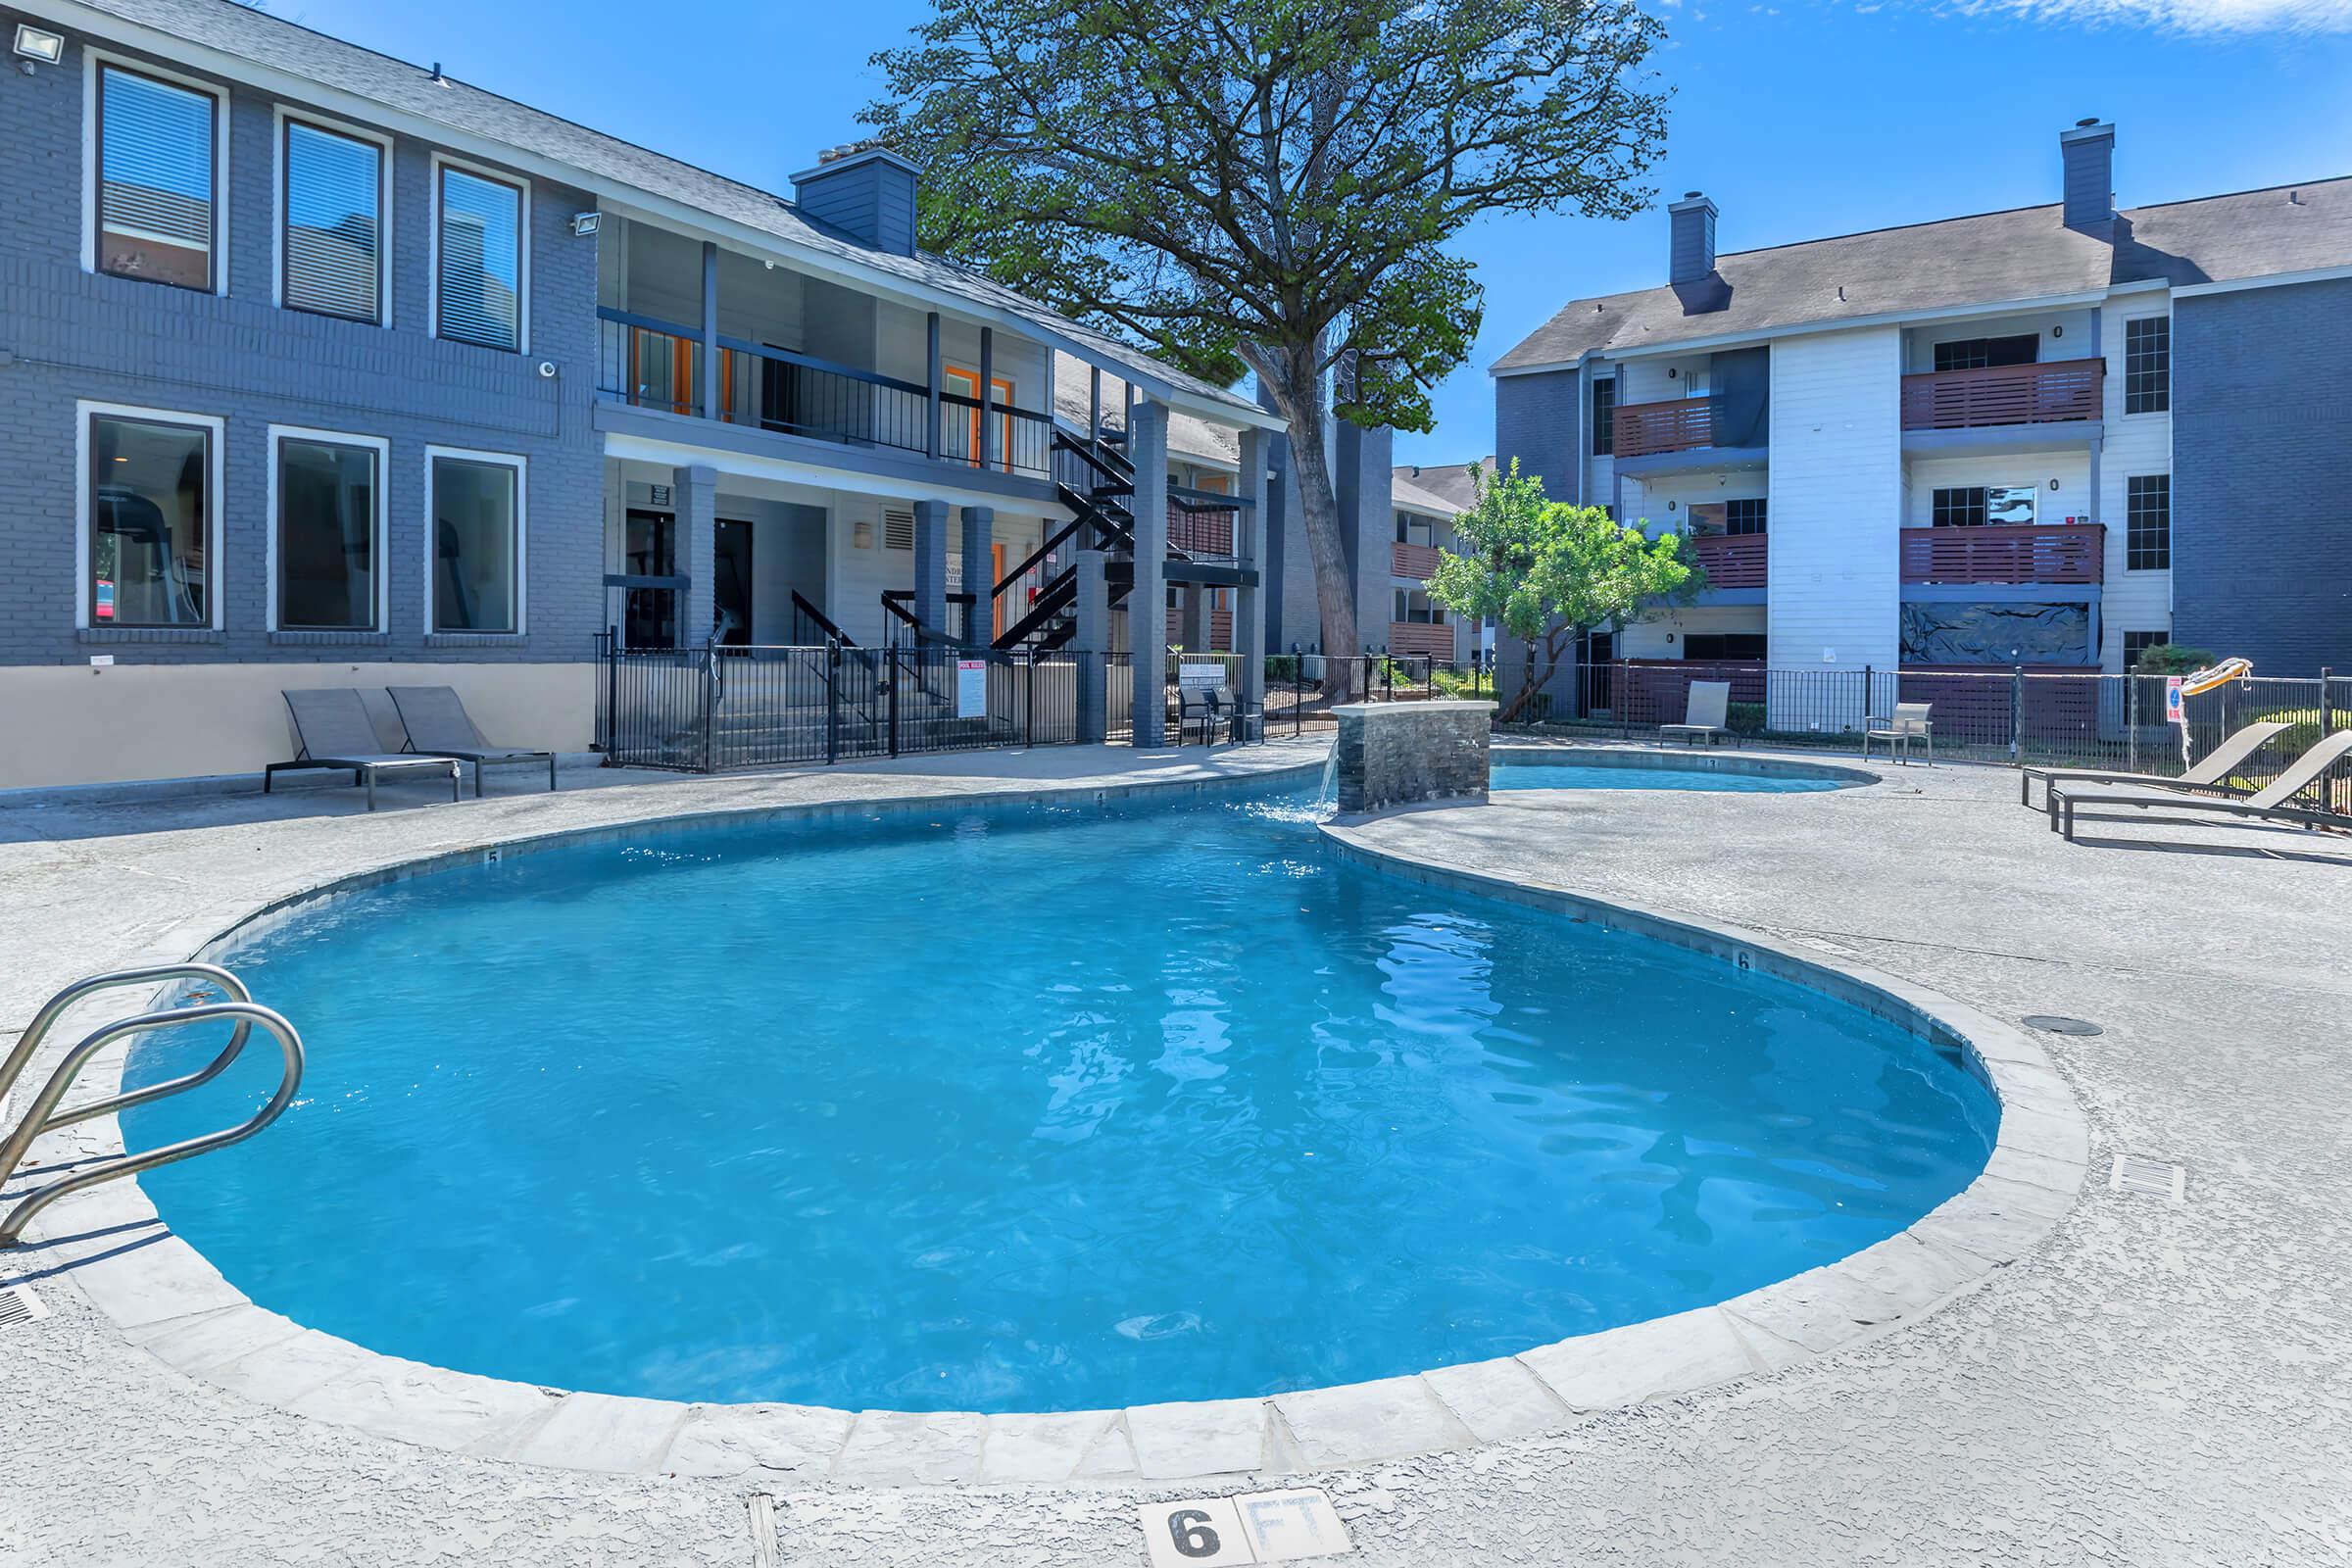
[1026,1108]
[1587,776]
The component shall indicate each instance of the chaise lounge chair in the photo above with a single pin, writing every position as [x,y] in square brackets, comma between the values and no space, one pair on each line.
[2277,804]
[332,730]
[1706,710]
[437,722]
[2209,777]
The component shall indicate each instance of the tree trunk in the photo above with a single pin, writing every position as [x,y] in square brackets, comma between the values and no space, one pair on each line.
[1297,396]
[1537,674]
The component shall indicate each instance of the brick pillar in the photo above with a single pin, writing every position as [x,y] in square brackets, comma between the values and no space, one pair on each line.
[1091,642]
[696,499]
[931,562]
[1148,605]
[979,572]
[1249,544]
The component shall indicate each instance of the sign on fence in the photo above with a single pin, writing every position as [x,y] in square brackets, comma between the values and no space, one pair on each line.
[2176,711]
[971,688]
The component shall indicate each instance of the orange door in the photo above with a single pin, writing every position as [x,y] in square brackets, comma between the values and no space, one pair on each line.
[966,383]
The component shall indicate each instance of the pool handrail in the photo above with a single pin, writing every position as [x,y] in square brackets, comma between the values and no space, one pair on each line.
[20,1057]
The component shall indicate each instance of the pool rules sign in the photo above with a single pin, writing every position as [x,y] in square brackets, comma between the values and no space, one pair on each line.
[971,688]
[1257,1527]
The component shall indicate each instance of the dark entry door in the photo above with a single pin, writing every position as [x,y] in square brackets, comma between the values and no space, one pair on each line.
[1597,680]
[733,583]
[649,541]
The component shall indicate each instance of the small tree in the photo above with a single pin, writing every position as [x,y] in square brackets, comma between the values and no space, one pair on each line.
[2171,658]
[1546,573]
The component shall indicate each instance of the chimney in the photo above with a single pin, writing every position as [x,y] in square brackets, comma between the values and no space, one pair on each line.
[2087,150]
[866,192]
[1692,254]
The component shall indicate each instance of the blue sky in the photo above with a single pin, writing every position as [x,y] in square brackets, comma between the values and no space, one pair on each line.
[1800,119]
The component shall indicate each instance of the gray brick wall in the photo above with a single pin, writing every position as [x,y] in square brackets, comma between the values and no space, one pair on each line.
[66,334]
[1536,422]
[2262,475]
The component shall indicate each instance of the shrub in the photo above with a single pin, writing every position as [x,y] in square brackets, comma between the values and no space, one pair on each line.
[1744,719]
[2172,658]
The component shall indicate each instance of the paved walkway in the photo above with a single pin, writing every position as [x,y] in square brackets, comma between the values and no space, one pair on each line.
[2156,1384]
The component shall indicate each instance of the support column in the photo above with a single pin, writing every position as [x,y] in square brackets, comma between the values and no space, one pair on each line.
[696,492]
[932,377]
[1250,543]
[711,393]
[1091,641]
[931,562]
[1192,621]
[1148,605]
[979,572]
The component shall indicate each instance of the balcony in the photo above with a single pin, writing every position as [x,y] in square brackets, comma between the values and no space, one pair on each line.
[1731,560]
[2073,553]
[650,363]
[2058,392]
[1419,637]
[1654,429]
[1416,563]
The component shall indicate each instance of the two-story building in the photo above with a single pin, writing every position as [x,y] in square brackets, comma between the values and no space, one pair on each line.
[2045,437]
[1426,499]
[316,367]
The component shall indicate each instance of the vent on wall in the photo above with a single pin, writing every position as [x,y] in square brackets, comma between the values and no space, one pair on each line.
[898,528]
[18,1306]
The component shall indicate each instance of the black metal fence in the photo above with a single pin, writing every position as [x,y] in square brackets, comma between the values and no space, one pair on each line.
[1295,683]
[2021,716]
[714,708]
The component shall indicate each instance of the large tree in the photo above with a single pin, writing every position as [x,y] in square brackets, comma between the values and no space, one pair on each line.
[1269,186]
[1546,573]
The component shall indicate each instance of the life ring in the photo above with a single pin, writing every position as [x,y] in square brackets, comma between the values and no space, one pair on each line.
[2220,674]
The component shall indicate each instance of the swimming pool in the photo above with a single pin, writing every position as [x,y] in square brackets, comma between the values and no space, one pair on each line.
[1720,772]
[1033,1108]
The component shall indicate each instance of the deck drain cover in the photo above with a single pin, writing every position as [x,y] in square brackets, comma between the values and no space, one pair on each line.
[2136,1173]
[18,1306]
[2058,1024]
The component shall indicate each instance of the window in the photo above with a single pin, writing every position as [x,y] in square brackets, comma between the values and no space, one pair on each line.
[1412,607]
[330,223]
[479,258]
[1959,508]
[151,493]
[1978,353]
[1412,531]
[327,549]
[158,174]
[2148,522]
[2137,643]
[1604,418]
[2148,365]
[474,559]
[1743,517]
[1718,645]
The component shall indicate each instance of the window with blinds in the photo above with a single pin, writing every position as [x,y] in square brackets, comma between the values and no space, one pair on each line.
[157,182]
[479,286]
[332,209]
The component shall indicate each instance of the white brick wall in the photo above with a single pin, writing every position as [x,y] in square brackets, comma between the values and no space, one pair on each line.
[2136,443]
[1836,499]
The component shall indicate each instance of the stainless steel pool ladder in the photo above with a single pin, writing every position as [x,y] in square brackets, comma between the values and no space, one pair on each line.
[43,1117]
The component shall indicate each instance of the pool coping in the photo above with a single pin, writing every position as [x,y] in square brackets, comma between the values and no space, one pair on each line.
[1690,758]
[168,1297]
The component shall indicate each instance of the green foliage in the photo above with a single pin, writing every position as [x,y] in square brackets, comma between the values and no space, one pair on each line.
[1268,184]
[2171,658]
[1743,718]
[1536,566]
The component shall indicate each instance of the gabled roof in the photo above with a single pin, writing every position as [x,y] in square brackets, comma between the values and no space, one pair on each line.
[2024,254]
[597,162]
[1192,439]
[1442,490]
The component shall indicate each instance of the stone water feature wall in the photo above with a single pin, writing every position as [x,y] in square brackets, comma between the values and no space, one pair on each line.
[1397,754]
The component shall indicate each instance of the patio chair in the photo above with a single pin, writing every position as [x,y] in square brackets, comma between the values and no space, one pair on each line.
[1197,705]
[332,730]
[1705,712]
[1238,717]
[2275,803]
[438,722]
[1907,723]
[2211,776]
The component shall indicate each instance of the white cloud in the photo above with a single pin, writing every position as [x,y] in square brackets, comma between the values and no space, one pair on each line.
[2180,16]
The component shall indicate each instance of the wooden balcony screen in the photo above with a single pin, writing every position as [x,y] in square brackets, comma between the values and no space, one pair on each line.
[1419,637]
[1678,424]
[2074,553]
[1200,533]
[1416,562]
[1731,560]
[2051,393]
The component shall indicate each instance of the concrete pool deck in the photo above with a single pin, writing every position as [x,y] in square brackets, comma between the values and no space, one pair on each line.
[2149,1383]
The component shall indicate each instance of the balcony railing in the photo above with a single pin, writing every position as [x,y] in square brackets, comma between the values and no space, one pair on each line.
[1199,525]
[1733,559]
[1419,637]
[652,363]
[1416,562]
[1678,424]
[2073,553]
[2054,393]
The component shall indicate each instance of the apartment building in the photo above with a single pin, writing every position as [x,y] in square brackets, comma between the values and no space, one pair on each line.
[316,367]
[1426,499]
[2045,437]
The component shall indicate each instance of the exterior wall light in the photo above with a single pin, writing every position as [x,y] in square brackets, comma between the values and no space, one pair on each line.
[584,224]
[37,46]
